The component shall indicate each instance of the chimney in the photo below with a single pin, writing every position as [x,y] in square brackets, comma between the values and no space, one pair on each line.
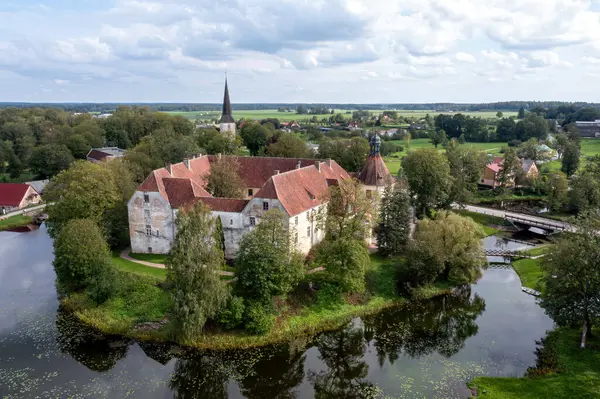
[298,164]
[186,161]
[168,166]
[276,172]
[329,162]
[318,165]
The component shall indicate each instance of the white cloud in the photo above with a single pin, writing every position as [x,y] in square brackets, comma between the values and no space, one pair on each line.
[465,57]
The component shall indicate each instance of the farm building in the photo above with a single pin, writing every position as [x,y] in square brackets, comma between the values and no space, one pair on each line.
[589,129]
[104,153]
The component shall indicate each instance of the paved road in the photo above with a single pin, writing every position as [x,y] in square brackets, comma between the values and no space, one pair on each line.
[505,214]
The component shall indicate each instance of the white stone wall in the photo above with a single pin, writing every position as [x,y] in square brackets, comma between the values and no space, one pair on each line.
[157,214]
[305,228]
[233,230]
[227,128]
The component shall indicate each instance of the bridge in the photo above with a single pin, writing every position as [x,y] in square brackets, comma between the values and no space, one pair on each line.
[520,219]
[505,253]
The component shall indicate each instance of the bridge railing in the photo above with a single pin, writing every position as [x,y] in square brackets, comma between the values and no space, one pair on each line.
[537,222]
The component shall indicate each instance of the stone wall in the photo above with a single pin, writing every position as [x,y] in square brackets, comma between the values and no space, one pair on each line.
[151,224]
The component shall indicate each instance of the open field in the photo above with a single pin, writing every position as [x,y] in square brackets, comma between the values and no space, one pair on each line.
[289,116]
[393,162]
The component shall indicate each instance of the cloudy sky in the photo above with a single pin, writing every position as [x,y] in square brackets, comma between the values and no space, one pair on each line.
[346,51]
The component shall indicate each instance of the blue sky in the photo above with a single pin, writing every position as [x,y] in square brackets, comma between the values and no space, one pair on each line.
[345,51]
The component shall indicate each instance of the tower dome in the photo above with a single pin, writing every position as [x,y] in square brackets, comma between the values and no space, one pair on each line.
[375,144]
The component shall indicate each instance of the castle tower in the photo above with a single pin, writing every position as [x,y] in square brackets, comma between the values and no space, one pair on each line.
[227,123]
[374,175]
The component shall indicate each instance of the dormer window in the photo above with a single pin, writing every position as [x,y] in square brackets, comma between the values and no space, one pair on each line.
[265,206]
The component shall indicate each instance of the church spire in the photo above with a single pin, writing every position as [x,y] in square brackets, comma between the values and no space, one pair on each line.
[226,117]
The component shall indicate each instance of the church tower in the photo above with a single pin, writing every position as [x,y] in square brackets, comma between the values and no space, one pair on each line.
[227,123]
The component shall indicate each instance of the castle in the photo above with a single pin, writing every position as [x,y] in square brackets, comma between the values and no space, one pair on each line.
[295,186]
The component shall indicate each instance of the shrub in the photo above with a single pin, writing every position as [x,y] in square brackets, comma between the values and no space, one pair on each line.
[258,320]
[232,315]
[329,294]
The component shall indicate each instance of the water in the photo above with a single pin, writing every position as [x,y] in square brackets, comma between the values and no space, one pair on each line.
[428,350]
[517,243]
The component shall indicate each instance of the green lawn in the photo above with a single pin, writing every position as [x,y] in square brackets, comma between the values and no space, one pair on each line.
[152,258]
[486,221]
[529,272]
[590,147]
[539,250]
[15,221]
[135,268]
[576,374]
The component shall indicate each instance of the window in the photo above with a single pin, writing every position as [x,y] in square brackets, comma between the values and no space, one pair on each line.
[265,206]
[149,250]
[296,238]
[308,231]
[147,213]
[296,220]
[148,230]
[230,221]
[157,233]
[250,192]
[308,216]
[252,221]
[146,198]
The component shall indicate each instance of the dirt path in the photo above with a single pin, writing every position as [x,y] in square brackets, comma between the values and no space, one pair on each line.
[125,255]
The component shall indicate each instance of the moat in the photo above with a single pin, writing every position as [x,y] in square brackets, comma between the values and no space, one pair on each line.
[429,349]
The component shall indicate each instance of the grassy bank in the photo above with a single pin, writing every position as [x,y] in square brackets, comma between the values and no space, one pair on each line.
[15,221]
[489,223]
[529,272]
[128,266]
[572,372]
[140,298]
[152,258]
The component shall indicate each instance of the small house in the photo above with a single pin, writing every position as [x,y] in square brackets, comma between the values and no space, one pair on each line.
[17,196]
[102,154]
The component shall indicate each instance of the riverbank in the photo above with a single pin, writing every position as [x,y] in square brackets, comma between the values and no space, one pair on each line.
[566,371]
[15,221]
[139,309]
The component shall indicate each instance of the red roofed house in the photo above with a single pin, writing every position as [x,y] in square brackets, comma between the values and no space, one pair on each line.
[295,186]
[17,196]
[492,170]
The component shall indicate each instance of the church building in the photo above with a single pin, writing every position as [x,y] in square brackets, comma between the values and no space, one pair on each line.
[227,123]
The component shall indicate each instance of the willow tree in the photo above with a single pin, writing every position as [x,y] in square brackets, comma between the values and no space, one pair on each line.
[193,269]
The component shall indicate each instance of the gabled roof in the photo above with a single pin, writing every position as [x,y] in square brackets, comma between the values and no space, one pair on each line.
[297,190]
[495,167]
[100,154]
[374,173]
[181,191]
[11,194]
[526,164]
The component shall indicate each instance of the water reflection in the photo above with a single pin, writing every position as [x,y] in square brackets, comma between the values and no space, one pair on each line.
[342,352]
[438,325]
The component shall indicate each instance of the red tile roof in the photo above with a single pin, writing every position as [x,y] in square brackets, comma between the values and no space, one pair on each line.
[299,184]
[12,194]
[495,167]
[225,204]
[374,173]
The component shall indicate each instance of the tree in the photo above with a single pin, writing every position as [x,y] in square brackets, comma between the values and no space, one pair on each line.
[532,126]
[455,242]
[532,149]
[345,261]
[570,159]
[255,136]
[499,114]
[428,176]
[301,109]
[349,212]
[193,267]
[267,265]
[438,137]
[288,146]
[560,143]
[506,129]
[82,260]
[585,187]
[214,142]
[521,113]
[224,180]
[510,170]
[571,276]
[79,146]
[466,167]
[84,191]
[395,215]
[47,160]
[557,189]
